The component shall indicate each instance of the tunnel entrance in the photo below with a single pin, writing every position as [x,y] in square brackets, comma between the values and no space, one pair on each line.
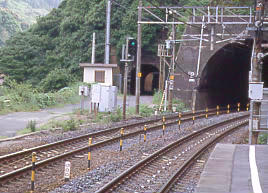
[149,80]
[265,72]
[224,80]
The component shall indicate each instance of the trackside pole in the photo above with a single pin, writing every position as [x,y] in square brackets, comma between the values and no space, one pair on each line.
[33,172]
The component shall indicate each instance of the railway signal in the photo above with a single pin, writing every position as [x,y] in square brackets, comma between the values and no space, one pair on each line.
[132,47]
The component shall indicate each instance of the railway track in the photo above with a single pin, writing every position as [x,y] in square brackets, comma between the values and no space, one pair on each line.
[151,173]
[19,163]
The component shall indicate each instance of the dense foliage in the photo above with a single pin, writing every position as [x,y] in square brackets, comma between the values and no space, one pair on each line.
[23,97]
[62,39]
[18,15]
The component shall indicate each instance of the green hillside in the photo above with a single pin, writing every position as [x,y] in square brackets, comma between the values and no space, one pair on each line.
[62,39]
[18,15]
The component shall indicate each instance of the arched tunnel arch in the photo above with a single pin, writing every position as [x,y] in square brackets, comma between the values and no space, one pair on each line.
[149,79]
[224,79]
[265,72]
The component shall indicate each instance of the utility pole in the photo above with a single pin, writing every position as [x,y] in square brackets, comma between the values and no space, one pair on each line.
[256,67]
[93,48]
[171,78]
[125,79]
[138,66]
[107,39]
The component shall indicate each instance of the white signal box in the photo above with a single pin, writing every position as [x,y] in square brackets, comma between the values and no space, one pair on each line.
[255,91]
[96,93]
[106,96]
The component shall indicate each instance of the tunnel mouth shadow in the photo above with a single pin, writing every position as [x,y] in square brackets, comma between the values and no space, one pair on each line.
[265,72]
[149,80]
[224,79]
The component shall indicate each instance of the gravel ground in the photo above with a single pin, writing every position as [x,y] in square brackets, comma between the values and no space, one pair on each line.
[189,181]
[113,165]
[50,136]
[107,162]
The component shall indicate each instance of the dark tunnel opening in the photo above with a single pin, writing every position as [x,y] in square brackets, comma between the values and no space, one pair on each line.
[224,79]
[265,72]
[149,80]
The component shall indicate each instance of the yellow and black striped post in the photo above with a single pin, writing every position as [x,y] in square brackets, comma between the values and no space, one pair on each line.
[206,113]
[121,138]
[164,124]
[228,108]
[238,107]
[248,107]
[218,109]
[193,116]
[145,133]
[33,171]
[89,153]
[179,122]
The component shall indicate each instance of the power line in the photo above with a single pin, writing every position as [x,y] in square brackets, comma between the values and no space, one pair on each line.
[120,5]
[176,18]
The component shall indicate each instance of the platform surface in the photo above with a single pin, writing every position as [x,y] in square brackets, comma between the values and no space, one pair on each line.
[228,170]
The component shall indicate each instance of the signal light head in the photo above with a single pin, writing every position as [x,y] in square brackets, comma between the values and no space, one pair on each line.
[132,46]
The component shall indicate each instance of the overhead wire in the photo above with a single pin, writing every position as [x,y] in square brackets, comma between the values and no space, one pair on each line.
[176,18]
[122,6]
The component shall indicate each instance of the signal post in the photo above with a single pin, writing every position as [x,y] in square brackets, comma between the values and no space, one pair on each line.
[128,50]
[255,91]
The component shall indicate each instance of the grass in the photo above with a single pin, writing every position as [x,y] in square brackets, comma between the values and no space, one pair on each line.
[145,111]
[25,131]
[263,138]
[72,121]
[22,97]
[3,137]
[157,99]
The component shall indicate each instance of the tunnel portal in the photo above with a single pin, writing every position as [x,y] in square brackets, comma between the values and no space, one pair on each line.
[265,72]
[149,80]
[224,79]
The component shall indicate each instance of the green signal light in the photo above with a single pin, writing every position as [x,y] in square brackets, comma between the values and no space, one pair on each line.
[133,43]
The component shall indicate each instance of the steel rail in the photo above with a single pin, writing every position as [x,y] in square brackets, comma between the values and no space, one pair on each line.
[94,134]
[108,187]
[170,182]
[39,164]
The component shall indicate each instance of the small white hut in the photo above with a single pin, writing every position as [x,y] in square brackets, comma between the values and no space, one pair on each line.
[98,73]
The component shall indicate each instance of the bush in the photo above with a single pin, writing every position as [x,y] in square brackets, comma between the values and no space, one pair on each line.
[146,111]
[56,80]
[23,97]
[70,125]
[98,118]
[180,106]
[31,125]
[44,100]
[263,138]
[117,116]
[157,97]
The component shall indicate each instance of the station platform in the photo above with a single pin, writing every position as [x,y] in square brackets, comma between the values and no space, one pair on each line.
[235,169]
